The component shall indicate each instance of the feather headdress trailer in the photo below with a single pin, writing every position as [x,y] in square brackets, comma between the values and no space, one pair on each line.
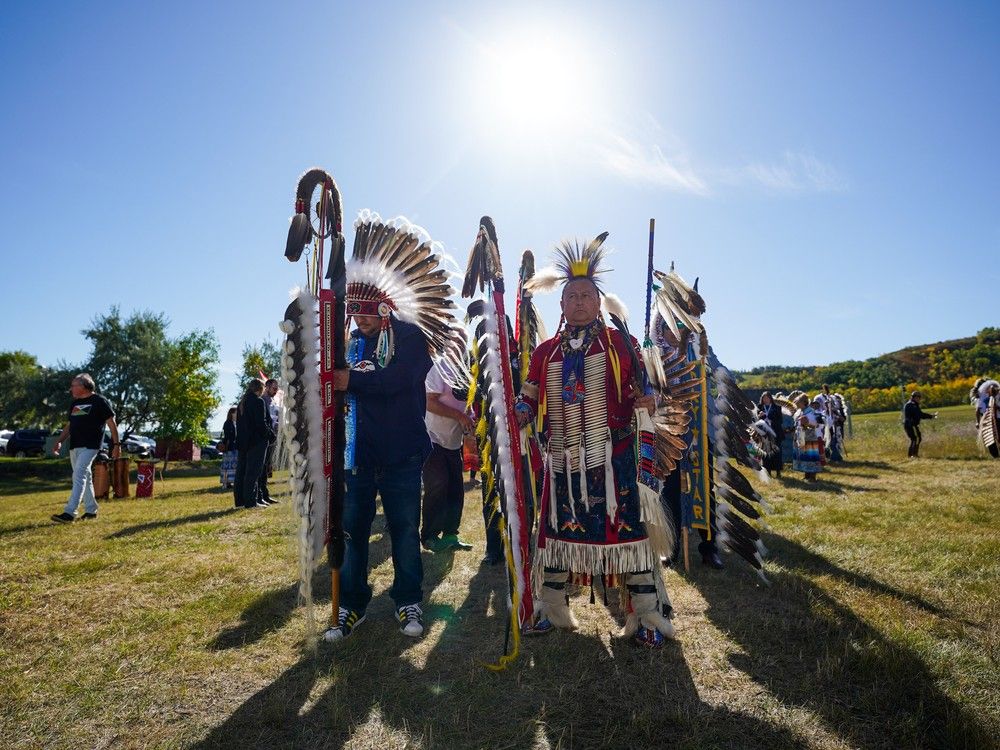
[731,414]
[304,432]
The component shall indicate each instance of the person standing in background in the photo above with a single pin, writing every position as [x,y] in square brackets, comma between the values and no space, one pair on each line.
[227,471]
[912,414]
[271,411]
[771,412]
[444,492]
[806,451]
[253,433]
[89,414]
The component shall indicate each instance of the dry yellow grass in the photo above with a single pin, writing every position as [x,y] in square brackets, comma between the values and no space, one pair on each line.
[173,623]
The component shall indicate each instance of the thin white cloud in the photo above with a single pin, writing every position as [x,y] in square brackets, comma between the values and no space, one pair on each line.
[795,172]
[647,154]
[642,162]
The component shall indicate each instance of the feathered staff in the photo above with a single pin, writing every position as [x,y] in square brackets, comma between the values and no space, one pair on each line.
[734,418]
[528,328]
[649,281]
[529,331]
[314,325]
[732,415]
[503,447]
[656,452]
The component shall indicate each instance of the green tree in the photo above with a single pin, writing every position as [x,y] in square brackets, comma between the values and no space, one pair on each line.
[17,369]
[264,357]
[988,335]
[35,396]
[131,364]
[943,365]
[190,395]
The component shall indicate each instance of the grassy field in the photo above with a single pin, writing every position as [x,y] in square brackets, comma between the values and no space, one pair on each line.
[173,622]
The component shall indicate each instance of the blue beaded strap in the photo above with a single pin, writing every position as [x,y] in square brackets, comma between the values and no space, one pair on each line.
[355,352]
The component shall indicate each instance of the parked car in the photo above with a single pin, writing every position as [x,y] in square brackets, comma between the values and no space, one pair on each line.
[29,442]
[142,440]
[210,451]
[137,445]
[129,447]
[5,435]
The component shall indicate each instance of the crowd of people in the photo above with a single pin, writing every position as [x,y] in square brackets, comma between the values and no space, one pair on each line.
[818,427]
[586,394]
[249,439]
[593,512]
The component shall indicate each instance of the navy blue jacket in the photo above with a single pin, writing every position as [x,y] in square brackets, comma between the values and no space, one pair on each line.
[391,401]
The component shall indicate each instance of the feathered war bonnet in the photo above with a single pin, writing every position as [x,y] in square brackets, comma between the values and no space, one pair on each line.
[678,306]
[397,270]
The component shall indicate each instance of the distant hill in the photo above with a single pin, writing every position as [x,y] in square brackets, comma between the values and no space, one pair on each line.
[951,366]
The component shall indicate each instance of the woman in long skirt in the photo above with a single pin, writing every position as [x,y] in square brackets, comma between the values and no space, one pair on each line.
[806,455]
[227,473]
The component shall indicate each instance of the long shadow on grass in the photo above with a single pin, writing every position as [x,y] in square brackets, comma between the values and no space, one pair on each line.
[810,650]
[567,690]
[880,465]
[24,527]
[826,483]
[274,609]
[12,487]
[365,669]
[170,522]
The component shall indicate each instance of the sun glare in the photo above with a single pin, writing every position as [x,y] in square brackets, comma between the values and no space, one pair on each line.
[533,85]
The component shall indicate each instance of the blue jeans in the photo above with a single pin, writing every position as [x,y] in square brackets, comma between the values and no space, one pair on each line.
[399,487]
[81,459]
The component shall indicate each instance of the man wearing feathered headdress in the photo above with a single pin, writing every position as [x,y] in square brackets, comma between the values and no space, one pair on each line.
[399,298]
[582,389]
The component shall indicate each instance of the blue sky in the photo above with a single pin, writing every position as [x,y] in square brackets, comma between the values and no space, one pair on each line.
[830,172]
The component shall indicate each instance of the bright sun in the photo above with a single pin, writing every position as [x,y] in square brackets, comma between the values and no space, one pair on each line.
[533,85]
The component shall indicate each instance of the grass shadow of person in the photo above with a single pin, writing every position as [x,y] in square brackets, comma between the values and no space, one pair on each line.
[868,464]
[360,669]
[566,690]
[826,483]
[273,609]
[5,530]
[170,522]
[815,564]
[812,651]
[14,485]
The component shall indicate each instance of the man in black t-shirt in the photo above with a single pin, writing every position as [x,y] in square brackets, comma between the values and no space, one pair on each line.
[88,415]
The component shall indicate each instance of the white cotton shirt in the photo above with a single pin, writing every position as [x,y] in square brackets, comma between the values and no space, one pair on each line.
[443,431]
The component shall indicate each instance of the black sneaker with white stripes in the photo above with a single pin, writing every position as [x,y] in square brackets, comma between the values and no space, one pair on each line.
[348,620]
[410,622]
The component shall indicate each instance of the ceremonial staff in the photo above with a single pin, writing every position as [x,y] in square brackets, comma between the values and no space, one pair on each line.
[649,282]
[484,272]
[316,414]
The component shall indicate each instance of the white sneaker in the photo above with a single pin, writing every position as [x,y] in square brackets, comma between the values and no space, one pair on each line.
[409,620]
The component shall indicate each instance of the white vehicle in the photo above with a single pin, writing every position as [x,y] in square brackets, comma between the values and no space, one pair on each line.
[5,435]
[140,441]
